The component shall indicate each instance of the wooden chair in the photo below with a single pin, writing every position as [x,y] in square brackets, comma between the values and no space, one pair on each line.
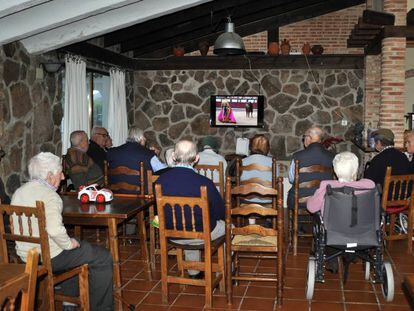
[254,238]
[209,170]
[255,167]
[154,249]
[213,272]
[125,187]
[31,228]
[16,278]
[398,197]
[294,214]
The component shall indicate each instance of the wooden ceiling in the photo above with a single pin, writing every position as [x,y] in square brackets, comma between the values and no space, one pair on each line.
[205,22]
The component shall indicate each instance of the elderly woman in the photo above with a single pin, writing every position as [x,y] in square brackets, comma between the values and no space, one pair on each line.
[345,165]
[45,171]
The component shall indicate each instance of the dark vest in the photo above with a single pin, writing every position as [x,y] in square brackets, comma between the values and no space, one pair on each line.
[129,155]
[314,154]
[97,154]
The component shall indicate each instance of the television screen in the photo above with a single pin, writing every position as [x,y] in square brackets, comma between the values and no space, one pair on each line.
[236,110]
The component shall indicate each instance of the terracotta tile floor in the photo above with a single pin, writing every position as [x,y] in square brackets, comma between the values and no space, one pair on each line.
[356,294]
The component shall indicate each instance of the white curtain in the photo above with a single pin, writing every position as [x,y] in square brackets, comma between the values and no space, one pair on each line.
[75,111]
[117,112]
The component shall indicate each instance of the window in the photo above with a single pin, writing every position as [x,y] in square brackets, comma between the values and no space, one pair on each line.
[97,87]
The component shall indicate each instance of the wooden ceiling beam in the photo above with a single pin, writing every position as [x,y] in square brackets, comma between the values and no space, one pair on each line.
[377,18]
[295,11]
[203,26]
[170,20]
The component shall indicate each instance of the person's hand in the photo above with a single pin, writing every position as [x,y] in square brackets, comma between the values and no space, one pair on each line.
[75,243]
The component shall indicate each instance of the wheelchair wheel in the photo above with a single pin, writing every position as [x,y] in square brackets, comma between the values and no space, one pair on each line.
[388,282]
[367,268]
[403,222]
[310,285]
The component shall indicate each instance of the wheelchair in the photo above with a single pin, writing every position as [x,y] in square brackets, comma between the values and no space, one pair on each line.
[350,228]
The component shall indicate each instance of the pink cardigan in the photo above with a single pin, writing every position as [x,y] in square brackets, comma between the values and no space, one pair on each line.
[316,202]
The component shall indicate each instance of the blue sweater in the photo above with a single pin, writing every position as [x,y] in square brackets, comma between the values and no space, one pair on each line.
[181,181]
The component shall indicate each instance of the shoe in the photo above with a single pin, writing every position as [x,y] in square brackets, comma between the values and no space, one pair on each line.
[198,276]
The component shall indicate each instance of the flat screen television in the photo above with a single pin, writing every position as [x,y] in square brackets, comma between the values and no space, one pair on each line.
[236,110]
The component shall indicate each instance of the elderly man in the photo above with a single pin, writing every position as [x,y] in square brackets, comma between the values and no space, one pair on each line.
[210,156]
[81,169]
[313,154]
[130,155]
[388,156]
[98,144]
[45,171]
[409,145]
[182,180]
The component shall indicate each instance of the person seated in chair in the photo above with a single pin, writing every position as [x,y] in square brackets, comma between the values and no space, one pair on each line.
[82,170]
[98,145]
[313,154]
[345,166]
[130,155]
[182,180]
[45,172]
[210,156]
[388,156]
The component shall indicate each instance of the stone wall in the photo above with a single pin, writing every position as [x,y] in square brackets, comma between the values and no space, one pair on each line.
[172,105]
[30,113]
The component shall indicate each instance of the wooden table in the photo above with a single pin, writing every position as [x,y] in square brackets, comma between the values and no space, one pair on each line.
[109,215]
[13,280]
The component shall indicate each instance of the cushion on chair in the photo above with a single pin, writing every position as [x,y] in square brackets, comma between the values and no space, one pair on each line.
[254,240]
[396,209]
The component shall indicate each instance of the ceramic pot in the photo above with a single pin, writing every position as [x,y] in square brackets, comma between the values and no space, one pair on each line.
[178,51]
[285,47]
[306,48]
[203,47]
[273,49]
[317,49]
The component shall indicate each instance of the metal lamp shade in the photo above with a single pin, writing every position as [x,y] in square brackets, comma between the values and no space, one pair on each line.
[229,43]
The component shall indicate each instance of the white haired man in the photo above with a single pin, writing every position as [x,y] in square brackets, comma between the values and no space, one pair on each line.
[313,154]
[182,180]
[45,171]
[82,170]
[130,155]
[98,145]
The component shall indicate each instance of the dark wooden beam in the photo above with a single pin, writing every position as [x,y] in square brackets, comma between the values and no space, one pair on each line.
[257,62]
[172,20]
[410,18]
[357,43]
[96,53]
[193,28]
[363,32]
[377,18]
[293,12]
[273,35]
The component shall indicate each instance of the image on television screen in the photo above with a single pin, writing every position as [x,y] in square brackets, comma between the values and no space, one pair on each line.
[236,110]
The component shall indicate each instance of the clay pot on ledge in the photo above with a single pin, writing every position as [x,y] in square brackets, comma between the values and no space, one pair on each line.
[178,51]
[285,47]
[306,48]
[203,47]
[317,49]
[273,49]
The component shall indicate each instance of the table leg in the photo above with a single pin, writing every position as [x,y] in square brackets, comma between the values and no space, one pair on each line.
[114,248]
[143,241]
[78,232]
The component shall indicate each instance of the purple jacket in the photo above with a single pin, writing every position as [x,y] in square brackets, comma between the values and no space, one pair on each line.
[316,202]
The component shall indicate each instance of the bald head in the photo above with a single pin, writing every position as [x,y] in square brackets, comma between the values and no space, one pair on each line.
[185,153]
[79,139]
[313,135]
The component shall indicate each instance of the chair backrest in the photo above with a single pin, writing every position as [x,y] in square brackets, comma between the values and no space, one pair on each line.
[308,187]
[234,208]
[256,167]
[182,212]
[210,171]
[64,183]
[352,215]
[151,179]
[397,190]
[124,186]
[25,223]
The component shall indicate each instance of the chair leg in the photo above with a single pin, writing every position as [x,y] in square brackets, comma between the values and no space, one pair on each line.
[50,292]
[392,227]
[229,278]
[164,273]
[295,232]
[221,264]
[179,254]
[124,233]
[208,280]
[97,235]
[84,289]
[152,247]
